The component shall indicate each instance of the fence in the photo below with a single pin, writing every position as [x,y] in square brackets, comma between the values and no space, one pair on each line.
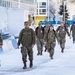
[69,22]
[9,44]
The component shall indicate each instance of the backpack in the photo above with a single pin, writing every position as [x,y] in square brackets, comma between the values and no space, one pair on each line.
[48,32]
[64,28]
[36,31]
[53,31]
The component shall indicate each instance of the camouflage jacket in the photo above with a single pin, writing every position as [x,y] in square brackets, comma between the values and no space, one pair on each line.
[39,32]
[72,29]
[46,30]
[51,36]
[26,37]
[62,32]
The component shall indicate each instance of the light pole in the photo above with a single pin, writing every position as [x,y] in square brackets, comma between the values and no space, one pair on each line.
[19,5]
[64,10]
[35,10]
[48,9]
[56,11]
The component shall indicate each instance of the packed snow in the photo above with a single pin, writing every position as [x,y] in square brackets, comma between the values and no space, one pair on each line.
[62,64]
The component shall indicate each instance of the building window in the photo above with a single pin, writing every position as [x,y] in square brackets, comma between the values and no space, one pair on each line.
[8,4]
[43,10]
[42,4]
[37,11]
[5,3]
[37,5]
[40,10]
[41,13]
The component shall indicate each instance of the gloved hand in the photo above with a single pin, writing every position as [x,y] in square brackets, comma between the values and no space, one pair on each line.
[0,46]
[18,47]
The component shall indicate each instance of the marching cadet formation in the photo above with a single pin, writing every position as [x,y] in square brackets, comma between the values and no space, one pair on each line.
[42,36]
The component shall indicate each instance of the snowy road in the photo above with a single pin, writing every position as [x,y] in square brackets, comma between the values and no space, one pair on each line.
[62,64]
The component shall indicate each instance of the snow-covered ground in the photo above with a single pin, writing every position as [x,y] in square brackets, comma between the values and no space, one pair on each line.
[62,64]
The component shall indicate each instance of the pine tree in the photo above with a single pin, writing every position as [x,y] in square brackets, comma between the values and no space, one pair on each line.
[72,1]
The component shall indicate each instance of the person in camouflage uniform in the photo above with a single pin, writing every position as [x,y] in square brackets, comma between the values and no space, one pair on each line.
[73,31]
[1,41]
[62,30]
[51,40]
[46,28]
[66,25]
[27,39]
[39,35]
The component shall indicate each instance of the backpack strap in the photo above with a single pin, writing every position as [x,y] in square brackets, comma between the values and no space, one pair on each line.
[36,31]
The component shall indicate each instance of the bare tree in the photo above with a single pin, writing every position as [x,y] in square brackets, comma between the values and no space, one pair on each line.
[52,10]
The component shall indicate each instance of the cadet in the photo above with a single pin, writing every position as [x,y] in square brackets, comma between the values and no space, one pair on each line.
[1,41]
[61,30]
[51,40]
[27,39]
[73,31]
[46,28]
[33,26]
[39,35]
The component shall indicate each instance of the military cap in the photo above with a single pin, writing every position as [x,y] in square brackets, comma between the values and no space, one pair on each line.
[61,22]
[51,25]
[39,23]
[47,22]
[26,22]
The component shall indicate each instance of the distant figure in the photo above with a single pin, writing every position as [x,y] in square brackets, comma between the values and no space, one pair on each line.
[33,26]
[51,40]
[62,30]
[39,36]
[27,39]
[72,29]
[1,40]
[46,28]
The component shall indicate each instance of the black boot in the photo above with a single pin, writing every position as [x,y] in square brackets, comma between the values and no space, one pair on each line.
[45,49]
[51,56]
[31,63]
[62,50]
[41,52]
[73,41]
[24,65]
[38,52]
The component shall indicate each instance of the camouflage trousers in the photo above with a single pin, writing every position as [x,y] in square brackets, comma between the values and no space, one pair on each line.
[26,51]
[50,47]
[73,37]
[40,44]
[46,44]
[62,43]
